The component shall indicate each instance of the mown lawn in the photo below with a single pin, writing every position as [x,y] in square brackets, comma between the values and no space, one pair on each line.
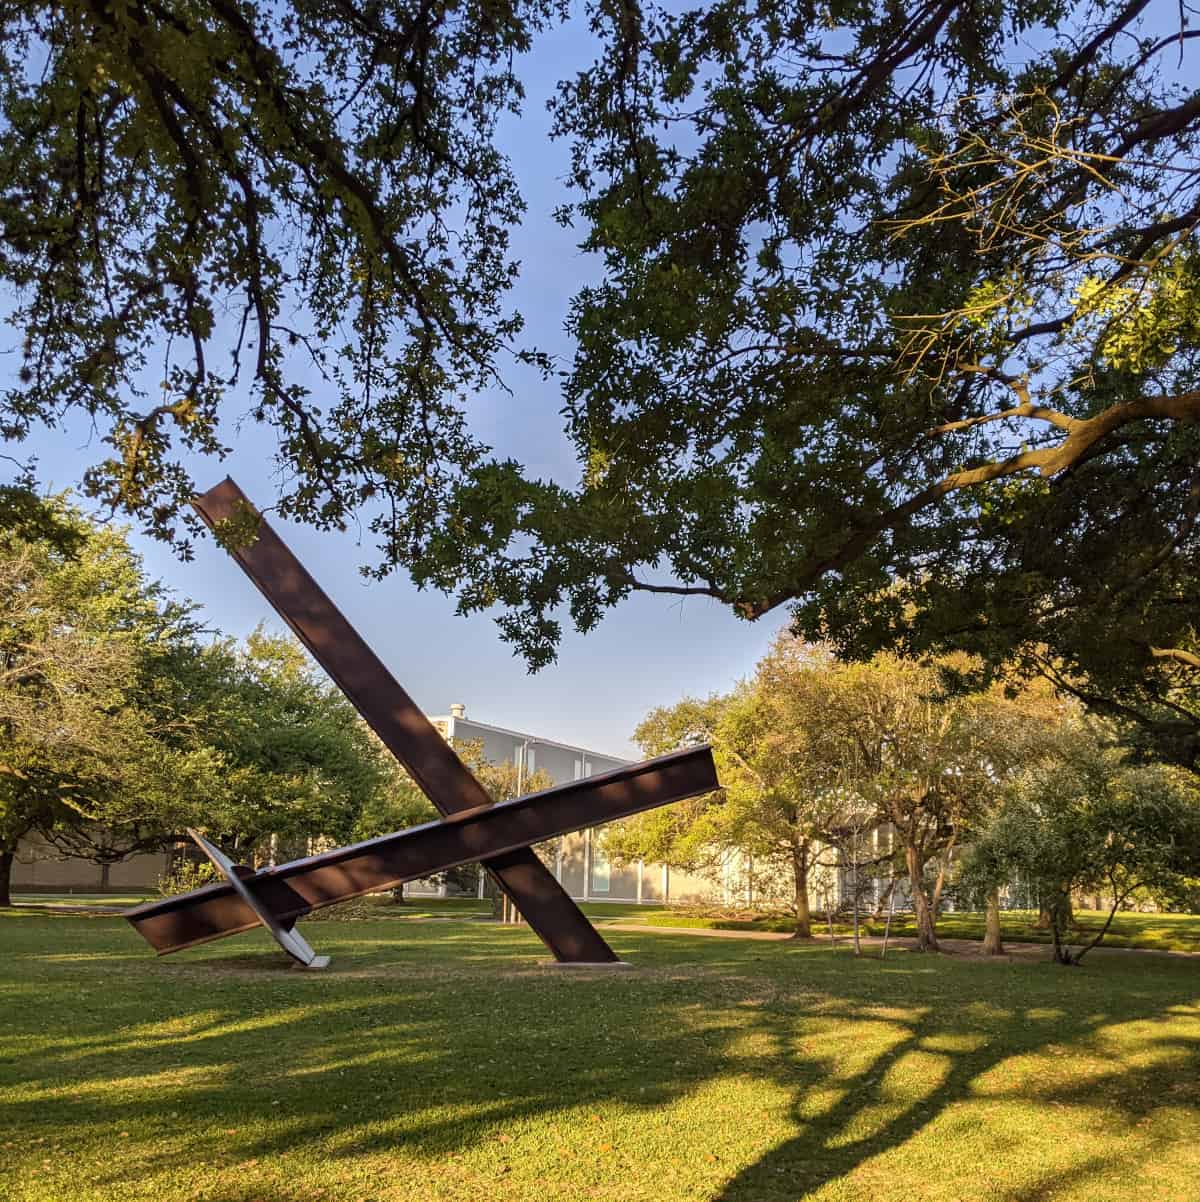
[441,1060]
[1163,932]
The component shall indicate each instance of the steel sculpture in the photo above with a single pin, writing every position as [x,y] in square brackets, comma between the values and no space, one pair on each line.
[499,836]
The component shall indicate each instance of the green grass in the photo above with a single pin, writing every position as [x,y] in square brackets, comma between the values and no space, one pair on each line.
[1162,932]
[440,1061]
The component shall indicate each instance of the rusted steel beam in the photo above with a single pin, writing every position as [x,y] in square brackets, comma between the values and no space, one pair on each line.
[290,891]
[397,720]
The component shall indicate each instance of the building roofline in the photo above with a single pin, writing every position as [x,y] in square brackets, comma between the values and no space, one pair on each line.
[537,740]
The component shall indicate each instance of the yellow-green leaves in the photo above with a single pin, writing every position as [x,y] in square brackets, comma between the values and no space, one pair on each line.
[1138,327]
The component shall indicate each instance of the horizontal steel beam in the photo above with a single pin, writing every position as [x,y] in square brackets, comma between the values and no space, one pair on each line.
[398,721]
[491,832]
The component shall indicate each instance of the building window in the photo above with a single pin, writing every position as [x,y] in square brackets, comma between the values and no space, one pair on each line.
[600,871]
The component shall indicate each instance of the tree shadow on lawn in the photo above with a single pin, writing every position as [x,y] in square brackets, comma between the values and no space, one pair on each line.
[438,1044]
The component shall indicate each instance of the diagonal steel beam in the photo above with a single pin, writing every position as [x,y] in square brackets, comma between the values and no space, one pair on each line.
[277,897]
[397,720]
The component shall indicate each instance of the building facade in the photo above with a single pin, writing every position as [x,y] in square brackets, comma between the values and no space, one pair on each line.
[577,861]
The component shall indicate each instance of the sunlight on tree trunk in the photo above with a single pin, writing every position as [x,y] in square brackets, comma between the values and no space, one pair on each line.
[803,913]
[992,946]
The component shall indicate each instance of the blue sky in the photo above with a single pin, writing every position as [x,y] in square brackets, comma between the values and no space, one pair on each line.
[651,651]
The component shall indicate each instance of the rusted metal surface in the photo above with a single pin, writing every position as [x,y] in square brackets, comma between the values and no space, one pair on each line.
[493,833]
[397,720]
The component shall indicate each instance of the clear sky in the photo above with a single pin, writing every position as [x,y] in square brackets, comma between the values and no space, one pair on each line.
[651,651]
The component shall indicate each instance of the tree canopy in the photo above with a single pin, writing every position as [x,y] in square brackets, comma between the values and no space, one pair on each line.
[1084,819]
[89,757]
[897,322]
[122,721]
[810,749]
[216,200]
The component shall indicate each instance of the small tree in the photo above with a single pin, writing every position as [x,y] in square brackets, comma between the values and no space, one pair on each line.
[1086,820]
[777,797]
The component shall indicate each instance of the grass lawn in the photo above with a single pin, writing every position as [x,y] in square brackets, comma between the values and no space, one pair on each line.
[1164,932]
[81,899]
[440,1061]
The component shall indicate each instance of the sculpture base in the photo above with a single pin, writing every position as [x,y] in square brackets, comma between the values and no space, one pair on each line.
[316,962]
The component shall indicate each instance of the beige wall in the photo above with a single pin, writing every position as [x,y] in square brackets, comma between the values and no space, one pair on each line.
[623,879]
[39,869]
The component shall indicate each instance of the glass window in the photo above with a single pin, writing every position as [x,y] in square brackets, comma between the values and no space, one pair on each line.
[600,871]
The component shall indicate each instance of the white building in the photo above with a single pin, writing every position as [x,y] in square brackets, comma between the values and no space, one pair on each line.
[579,863]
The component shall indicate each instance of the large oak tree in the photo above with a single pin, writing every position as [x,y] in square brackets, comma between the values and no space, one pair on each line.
[889,293]
[122,722]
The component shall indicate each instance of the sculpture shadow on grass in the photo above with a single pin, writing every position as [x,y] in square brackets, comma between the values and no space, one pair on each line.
[432,1041]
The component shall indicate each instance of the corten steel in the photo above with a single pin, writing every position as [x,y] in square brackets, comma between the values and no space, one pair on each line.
[289,891]
[395,718]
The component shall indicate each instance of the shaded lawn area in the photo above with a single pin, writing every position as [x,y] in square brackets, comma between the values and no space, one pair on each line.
[440,1061]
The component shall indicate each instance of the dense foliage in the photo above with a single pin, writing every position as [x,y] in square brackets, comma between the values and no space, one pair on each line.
[897,322]
[212,200]
[1083,820]
[122,723]
[811,751]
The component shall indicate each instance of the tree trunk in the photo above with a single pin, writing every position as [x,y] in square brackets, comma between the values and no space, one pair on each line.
[6,863]
[1103,930]
[1060,917]
[926,928]
[943,867]
[886,898]
[800,874]
[991,936]
[1046,916]
[854,889]
[887,930]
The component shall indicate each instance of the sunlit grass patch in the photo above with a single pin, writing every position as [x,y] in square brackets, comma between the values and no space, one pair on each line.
[442,1062]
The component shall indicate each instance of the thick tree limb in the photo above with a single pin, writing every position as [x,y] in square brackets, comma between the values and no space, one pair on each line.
[1176,654]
